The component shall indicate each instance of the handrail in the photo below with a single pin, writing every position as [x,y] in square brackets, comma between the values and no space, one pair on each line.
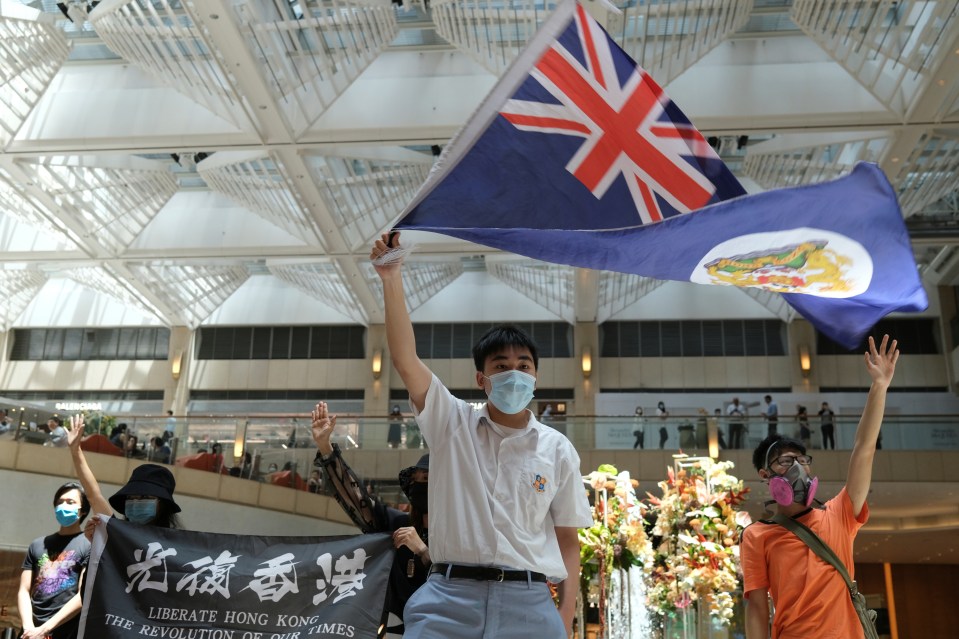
[281,447]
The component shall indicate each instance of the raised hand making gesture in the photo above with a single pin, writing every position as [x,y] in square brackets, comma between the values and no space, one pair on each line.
[881,362]
[75,431]
[881,365]
[322,428]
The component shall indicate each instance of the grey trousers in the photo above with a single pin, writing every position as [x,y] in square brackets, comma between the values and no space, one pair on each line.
[467,609]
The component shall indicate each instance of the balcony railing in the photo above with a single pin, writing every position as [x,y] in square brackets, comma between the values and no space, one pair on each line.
[281,449]
[282,439]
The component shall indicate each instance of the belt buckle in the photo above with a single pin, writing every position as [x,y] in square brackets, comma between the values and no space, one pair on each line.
[501,576]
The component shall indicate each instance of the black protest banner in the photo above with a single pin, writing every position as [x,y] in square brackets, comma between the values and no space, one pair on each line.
[145,581]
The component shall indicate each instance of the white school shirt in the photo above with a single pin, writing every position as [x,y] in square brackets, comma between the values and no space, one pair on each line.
[497,494]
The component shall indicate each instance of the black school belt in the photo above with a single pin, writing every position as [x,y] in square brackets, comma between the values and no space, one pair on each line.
[485,573]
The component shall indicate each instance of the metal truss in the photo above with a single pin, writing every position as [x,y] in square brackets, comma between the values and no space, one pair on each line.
[364,193]
[492,32]
[22,208]
[256,180]
[18,287]
[549,285]
[310,52]
[773,302]
[929,173]
[31,53]
[104,281]
[190,292]
[618,291]
[109,202]
[325,282]
[668,37]
[421,280]
[163,39]
[796,160]
[893,47]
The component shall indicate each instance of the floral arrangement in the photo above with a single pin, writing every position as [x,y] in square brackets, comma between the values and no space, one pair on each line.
[615,543]
[617,538]
[696,538]
[686,542]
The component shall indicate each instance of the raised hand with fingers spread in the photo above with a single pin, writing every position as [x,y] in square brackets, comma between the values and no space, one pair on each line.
[881,362]
[75,431]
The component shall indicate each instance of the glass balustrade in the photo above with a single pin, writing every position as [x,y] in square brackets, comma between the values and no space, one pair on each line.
[279,448]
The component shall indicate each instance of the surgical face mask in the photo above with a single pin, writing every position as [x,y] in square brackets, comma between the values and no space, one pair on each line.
[511,391]
[418,496]
[794,486]
[67,514]
[140,511]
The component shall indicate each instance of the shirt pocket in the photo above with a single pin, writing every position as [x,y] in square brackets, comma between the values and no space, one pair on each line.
[537,487]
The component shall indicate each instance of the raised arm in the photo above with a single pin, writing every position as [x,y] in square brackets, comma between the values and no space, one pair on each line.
[881,365]
[399,329]
[347,488]
[98,503]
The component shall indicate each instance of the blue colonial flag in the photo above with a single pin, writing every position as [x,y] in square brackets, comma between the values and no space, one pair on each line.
[578,157]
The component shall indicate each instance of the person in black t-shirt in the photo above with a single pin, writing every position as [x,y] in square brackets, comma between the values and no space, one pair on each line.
[411,562]
[49,595]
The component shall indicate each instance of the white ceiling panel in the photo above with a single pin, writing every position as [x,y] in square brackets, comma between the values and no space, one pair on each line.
[307,147]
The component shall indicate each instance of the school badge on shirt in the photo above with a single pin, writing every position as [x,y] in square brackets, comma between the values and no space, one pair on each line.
[539,483]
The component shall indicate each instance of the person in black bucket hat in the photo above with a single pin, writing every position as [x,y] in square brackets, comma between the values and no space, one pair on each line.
[411,562]
[146,498]
[414,486]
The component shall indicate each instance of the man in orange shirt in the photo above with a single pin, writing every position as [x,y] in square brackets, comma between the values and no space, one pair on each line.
[810,597]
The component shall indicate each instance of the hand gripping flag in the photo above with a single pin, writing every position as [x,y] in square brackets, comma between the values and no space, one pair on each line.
[577,157]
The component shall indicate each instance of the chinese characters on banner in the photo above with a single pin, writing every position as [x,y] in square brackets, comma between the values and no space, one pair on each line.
[145,581]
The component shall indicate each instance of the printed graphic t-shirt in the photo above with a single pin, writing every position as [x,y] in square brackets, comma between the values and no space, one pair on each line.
[56,562]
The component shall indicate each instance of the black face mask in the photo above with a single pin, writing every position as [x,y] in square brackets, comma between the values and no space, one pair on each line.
[418,496]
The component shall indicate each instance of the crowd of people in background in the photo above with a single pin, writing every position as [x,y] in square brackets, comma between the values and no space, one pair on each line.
[732,424]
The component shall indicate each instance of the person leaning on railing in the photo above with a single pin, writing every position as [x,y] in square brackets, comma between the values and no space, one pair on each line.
[411,563]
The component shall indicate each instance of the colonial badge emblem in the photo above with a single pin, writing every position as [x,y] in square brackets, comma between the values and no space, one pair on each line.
[804,260]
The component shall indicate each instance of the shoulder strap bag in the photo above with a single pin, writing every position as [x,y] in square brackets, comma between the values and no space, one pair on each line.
[867,617]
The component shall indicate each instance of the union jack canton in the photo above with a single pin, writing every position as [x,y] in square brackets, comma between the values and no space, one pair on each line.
[573,136]
[631,127]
